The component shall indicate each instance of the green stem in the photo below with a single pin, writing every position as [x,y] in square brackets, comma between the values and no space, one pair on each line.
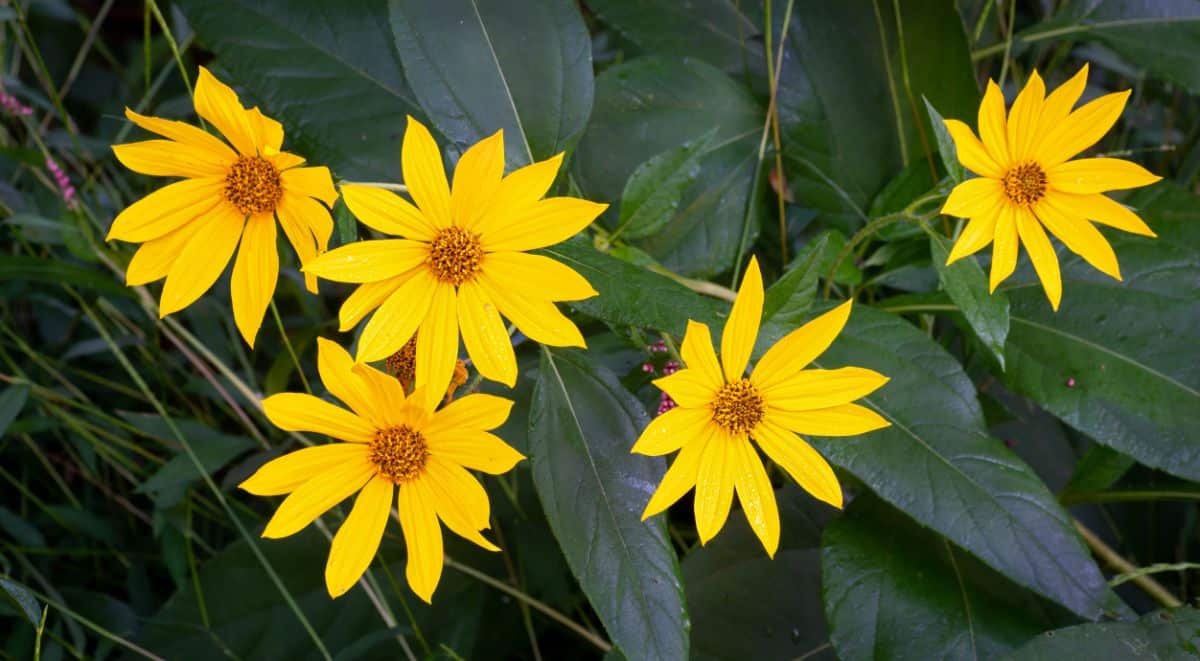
[288,343]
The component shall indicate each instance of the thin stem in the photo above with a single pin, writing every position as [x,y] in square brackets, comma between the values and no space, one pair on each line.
[288,343]
[1119,563]
[699,286]
[1008,39]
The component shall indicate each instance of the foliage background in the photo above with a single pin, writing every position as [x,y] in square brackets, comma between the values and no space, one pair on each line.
[1036,493]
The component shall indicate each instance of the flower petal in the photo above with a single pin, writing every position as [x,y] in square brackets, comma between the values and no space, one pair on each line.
[799,348]
[1058,105]
[741,329]
[1097,175]
[183,132]
[1004,253]
[485,336]
[293,411]
[756,494]
[971,152]
[973,197]
[1024,117]
[297,222]
[423,537]
[369,261]
[285,474]
[818,389]
[310,182]
[153,260]
[1104,210]
[268,133]
[671,430]
[518,190]
[461,502]
[546,278]
[284,161]
[337,373]
[477,450]
[1041,253]
[357,541]
[437,345]
[167,158]
[1082,128]
[476,179]
[367,297]
[841,420]
[537,225]
[218,104]
[390,404]
[318,495]
[681,476]
[202,260]
[424,174]
[166,210]
[698,354]
[384,211]
[806,466]
[1080,236]
[475,412]
[977,234]
[255,273]
[714,485]
[397,319]
[993,125]
[689,388]
[538,319]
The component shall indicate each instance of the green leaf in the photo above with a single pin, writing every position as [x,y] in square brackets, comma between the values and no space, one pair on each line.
[20,596]
[712,30]
[524,66]
[1098,469]
[945,144]
[1120,361]
[170,482]
[967,286]
[649,105]
[789,298]
[884,578]
[329,73]
[593,491]
[652,193]
[53,272]
[12,400]
[1166,634]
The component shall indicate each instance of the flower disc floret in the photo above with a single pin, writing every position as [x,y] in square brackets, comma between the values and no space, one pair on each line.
[400,453]
[253,185]
[1025,183]
[455,255]
[738,407]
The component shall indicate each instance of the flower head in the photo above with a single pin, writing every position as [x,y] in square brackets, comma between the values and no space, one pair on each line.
[389,442]
[719,411]
[190,229]
[462,263]
[1027,184]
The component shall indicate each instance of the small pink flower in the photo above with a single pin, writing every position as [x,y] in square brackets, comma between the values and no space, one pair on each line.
[13,106]
[63,182]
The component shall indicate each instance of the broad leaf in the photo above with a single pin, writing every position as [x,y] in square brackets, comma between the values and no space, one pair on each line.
[712,30]
[967,284]
[20,596]
[12,400]
[789,298]
[945,144]
[477,66]
[652,193]
[1167,634]
[593,491]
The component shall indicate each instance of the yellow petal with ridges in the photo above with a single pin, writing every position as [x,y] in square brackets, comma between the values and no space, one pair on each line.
[756,494]
[369,261]
[668,432]
[698,354]
[310,182]
[268,133]
[1082,128]
[806,466]
[1078,235]
[682,474]
[485,336]
[285,474]
[295,220]
[461,502]
[475,412]
[424,173]
[336,368]
[819,389]
[167,158]
[714,486]
[184,133]
[293,411]
[1058,105]
[741,329]
[1004,252]
[841,420]
[1097,175]
[437,345]
[973,197]
[799,348]
[538,319]
[1041,254]
[423,539]
[384,211]
[391,405]
[520,189]
[154,258]
[977,234]
[318,495]
[218,104]
[397,319]
[476,180]
[284,161]
[689,388]
[537,225]
[1104,210]
[993,125]
[971,152]
[477,450]
[167,209]
[255,273]
[356,542]
[202,259]
[541,276]
[1024,117]
[366,298]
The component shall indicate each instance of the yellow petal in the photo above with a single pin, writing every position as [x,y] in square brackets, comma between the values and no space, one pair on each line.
[1096,175]
[291,411]
[516,191]
[477,450]
[818,389]
[741,329]
[671,430]
[285,474]
[1082,128]
[183,132]
[698,354]
[1058,105]
[337,373]
[356,542]
[476,179]
[461,502]
[973,197]
[424,174]
[690,388]
[284,161]
[366,298]
[437,345]
[297,226]
[993,126]
[388,400]
[310,182]
[1024,117]
[977,234]
[806,466]
[311,214]
[423,537]
[543,277]
[387,212]
[971,152]
[1004,253]
[167,158]
[255,273]
[202,259]
[1078,235]
[219,106]
[166,210]
[714,485]
[397,319]
[1103,210]
[537,225]
[841,420]
[268,133]
[681,476]
[800,347]
[153,260]
[475,412]
[538,319]
[1041,253]
[485,336]
[756,495]
[369,261]
[318,495]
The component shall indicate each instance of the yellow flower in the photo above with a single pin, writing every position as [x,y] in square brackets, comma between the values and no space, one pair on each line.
[719,410]
[1026,181]
[189,229]
[390,441]
[462,263]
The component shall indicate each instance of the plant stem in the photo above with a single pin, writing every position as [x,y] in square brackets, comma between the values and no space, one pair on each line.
[1116,561]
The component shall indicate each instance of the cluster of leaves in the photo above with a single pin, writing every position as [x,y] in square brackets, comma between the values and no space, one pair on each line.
[1034,496]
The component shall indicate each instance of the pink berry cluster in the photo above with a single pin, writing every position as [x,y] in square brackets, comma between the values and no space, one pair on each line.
[63,181]
[13,106]
[668,368]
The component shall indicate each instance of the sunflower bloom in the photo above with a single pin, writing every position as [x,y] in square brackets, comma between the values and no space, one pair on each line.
[462,262]
[389,441]
[1027,184]
[190,229]
[719,410]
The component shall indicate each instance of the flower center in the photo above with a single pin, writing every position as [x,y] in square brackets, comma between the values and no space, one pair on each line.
[738,407]
[253,185]
[403,363]
[399,453]
[1025,183]
[455,255]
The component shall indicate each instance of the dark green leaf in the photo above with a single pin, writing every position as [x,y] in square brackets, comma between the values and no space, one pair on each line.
[967,285]
[652,193]
[524,66]
[1167,634]
[788,300]
[12,400]
[1098,469]
[20,596]
[712,30]
[593,491]
[945,144]
[36,269]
